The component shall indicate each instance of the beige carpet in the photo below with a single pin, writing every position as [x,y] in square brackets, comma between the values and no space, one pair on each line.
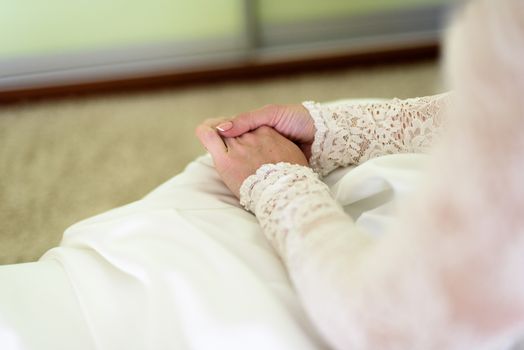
[63,161]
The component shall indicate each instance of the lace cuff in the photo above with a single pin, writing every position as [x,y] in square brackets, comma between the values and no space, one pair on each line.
[277,193]
[328,134]
[349,134]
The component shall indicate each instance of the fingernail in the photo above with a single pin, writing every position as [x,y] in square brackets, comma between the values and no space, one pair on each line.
[225,126]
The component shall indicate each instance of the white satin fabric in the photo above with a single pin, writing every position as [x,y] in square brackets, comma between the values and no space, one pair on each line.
[183,268]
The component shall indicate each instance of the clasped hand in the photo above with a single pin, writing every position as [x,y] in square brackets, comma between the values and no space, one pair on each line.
[242,144]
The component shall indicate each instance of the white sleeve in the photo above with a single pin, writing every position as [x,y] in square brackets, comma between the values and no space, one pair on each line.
[353,292]
[427,284]
[348,134]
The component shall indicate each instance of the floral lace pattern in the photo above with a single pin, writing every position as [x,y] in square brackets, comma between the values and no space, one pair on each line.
[346,134]
[362,295]
[353,133]
[295,208]
[278,186]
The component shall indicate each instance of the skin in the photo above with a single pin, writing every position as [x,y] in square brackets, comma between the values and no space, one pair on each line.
[236,158]
[292,121]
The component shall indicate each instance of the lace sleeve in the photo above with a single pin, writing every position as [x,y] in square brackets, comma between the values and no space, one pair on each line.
[350,134]
[278,186]
[321,248]
[416,287]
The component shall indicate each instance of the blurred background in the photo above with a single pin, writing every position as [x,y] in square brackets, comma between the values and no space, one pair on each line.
[99,99]
[60,42]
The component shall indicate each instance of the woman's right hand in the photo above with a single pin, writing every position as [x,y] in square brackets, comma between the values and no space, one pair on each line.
[292,121]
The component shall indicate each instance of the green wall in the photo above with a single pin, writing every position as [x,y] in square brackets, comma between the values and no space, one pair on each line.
[50,26]
[35,27]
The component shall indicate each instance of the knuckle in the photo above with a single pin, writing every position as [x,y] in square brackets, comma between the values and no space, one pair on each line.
[247,137]
[264,130]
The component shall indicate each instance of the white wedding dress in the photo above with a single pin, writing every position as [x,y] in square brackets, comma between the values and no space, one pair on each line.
[187,267]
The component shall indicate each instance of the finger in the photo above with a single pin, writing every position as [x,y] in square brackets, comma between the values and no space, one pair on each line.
[230,142]
[246,122]
[213,122]
[265,130]
[211,140]
[246,139]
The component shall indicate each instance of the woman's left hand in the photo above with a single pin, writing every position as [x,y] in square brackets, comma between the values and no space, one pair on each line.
[237,158]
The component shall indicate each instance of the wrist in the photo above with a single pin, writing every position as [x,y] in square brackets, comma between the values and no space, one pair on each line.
[257,186]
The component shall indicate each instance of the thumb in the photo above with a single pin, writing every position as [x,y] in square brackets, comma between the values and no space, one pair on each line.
[211,140]
[246,122]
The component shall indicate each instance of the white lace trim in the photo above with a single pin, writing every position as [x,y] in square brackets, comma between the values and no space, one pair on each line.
[315,110]
[345,134]
[350,134]
[355,300]
[276,187]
